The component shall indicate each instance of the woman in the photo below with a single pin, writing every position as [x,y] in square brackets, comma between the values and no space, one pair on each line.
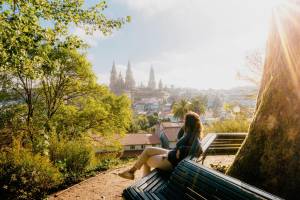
[188,145]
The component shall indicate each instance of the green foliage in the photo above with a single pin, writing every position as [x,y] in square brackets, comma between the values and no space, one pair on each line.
[71,157]
[181,108]
[219,167]
[43,58]
[197,105]
[49,89]
[216,106]
[228,126]
[110,162]
[143,123]
[66,75]
[153,119]
[24,175]
[100,111]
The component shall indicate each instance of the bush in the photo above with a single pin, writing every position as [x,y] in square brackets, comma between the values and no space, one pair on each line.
[228,126]
[71,157]
[24,175]
[219,167]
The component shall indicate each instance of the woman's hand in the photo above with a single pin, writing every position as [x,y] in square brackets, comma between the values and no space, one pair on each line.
[165,156]
[177,154]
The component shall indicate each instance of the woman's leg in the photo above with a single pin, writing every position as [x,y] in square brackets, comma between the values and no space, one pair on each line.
[158,161]
[142,160]
[147,153]
[146,169]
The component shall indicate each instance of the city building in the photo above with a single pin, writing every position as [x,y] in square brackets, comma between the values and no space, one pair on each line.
[134,144]
[167,133]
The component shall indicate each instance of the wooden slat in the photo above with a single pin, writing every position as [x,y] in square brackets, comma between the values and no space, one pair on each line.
[209,184]
[207,141]
[233,181]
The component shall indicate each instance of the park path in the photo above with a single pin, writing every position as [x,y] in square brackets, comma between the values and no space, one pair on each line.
[108,186]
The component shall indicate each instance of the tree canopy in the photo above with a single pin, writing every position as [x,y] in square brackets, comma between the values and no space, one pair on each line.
[45,75]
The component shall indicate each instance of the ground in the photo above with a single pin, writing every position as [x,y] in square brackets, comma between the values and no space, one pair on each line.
[107,185]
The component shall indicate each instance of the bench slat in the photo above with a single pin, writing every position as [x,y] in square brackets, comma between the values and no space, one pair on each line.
[233,181]
[207,184]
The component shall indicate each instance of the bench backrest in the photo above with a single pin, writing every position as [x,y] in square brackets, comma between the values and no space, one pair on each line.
[192,181]
[226,143]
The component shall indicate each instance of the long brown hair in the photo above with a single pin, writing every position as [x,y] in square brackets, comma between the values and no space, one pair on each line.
[192,126]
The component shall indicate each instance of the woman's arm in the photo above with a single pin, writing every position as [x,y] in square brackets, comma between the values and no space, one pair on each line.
[180,133]
[177,154]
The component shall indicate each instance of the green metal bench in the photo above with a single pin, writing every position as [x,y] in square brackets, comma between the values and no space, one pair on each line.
[192,181]
[157,179]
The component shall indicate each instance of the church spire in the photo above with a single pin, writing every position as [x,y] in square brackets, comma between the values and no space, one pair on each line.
[113,78]
[160,85]
[120,84]
[152,83]
[129,80]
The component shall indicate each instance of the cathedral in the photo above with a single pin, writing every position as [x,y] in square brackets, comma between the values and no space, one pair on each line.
[119,85]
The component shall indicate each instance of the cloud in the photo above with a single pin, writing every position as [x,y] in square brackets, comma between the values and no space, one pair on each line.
[151,7]
[190,43]
[91,39]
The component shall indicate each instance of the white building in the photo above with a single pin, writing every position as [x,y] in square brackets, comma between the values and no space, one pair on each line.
[134,144]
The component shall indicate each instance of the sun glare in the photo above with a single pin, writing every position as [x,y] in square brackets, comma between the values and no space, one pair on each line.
[275,3]
[271,4]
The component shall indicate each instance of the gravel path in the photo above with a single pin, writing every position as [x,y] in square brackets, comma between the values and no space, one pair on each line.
[108,186]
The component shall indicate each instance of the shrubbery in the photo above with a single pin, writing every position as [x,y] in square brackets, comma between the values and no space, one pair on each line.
[228,126]
[24,175]
[71,157]
[28,175]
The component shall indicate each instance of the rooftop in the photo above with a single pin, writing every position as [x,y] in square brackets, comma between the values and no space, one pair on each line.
[140,139]
[172,124]
[171,133]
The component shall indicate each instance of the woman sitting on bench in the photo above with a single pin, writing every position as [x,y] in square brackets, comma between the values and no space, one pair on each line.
[154,157]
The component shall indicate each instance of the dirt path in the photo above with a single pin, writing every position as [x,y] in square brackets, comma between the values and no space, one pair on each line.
[108,186]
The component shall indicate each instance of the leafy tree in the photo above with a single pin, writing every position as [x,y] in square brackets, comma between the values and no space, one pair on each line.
[143,123]
[66,75]
[153,119]
[46,83]
[254,64]
[269,158]
[199,104]
[101,112]
[216,106]
[181,108]
[30,30]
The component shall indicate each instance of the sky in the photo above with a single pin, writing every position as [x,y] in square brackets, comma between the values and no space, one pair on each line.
[199,44]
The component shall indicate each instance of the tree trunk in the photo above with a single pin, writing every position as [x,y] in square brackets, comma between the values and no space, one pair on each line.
[270,156]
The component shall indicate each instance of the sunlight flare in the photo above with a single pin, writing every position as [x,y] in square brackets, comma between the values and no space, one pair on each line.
[284,23]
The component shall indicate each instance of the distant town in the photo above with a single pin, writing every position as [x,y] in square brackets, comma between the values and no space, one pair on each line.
[157,98]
